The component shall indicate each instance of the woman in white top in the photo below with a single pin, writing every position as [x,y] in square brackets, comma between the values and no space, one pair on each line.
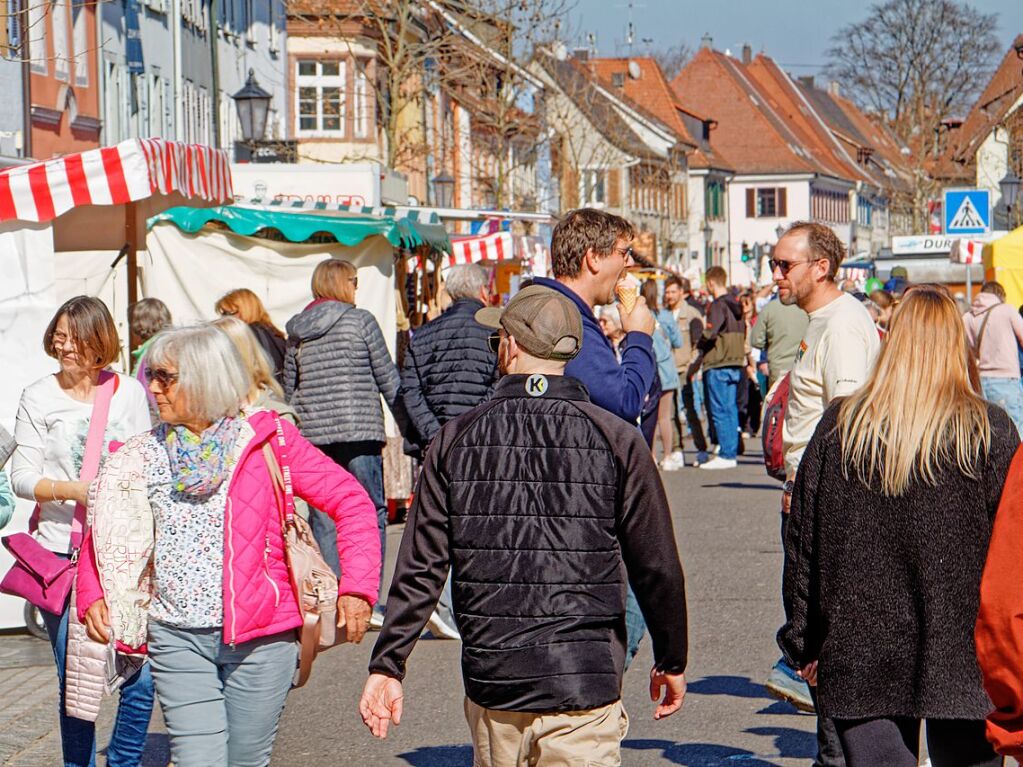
[51,430]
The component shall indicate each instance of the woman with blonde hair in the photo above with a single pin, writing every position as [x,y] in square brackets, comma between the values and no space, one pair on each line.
[246,306]
[891,516]
[265,392]
[336,369]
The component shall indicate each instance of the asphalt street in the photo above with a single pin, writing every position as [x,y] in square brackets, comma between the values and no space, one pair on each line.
[727,528]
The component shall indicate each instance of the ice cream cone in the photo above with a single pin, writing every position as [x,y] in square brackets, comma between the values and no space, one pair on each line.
[627,291]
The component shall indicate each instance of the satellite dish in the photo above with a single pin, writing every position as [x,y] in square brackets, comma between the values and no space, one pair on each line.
[560,50]
[634,70]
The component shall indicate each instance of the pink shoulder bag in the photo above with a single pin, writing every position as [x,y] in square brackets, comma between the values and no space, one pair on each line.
[39,575]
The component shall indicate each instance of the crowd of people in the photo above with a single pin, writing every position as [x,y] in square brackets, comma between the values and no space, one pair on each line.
[540,533]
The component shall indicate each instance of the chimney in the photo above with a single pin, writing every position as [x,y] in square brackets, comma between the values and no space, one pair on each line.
[747,53]
[707,41]
[581,54]
[806,81]
[834,88]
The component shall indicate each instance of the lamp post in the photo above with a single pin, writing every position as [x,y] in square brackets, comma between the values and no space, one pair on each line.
[253,104]
[779,231]
[708,232]
[1010,186]
[443,189]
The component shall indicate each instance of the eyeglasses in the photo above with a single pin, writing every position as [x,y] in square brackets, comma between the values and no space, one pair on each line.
[59,339]
[784,266]
[227,312]
[494,341]
[354,281]
[625,253]
[164,378]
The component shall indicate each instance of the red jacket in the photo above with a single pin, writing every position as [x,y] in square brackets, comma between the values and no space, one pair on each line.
[999,632]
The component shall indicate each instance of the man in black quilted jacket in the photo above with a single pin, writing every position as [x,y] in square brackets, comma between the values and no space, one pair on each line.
[449,367]
[544,506]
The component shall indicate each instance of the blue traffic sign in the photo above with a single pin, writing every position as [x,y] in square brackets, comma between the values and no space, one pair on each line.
[966,211]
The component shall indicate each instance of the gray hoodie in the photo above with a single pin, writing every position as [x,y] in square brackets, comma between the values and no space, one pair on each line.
[335,370]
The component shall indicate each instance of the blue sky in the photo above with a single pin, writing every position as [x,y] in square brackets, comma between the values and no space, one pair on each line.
[796,33]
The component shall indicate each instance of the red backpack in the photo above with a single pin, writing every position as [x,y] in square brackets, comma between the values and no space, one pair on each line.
[771,428]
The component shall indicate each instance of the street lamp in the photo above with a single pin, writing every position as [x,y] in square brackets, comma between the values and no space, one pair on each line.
[253,104]
[779,231]
[708,232]
[443,190]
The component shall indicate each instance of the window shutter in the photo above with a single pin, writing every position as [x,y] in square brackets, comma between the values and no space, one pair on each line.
[569,188]
[751,203]
[783,202]
[614,188]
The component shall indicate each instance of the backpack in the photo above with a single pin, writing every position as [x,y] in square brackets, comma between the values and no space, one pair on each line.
[772,423]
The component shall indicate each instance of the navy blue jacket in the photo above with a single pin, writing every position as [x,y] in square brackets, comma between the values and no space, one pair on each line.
[618,388]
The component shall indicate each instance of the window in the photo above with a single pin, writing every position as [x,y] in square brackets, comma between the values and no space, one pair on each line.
[618,79]
[715,200]
[37,35]
[275,33]
[830,206]
[61,44]
[249,21]
[10,29]
[770,202]
[320,89]
[156,105]
[81,40]
[593,187]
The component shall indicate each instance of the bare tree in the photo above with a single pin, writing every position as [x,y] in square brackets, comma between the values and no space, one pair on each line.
[914,64]
[673,59]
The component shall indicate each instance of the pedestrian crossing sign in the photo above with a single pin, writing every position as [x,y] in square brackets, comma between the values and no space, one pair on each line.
[967,211]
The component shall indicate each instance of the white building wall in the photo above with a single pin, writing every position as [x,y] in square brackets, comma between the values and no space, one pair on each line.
[753,230]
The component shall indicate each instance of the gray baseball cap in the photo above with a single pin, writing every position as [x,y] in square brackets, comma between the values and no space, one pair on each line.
[544,322]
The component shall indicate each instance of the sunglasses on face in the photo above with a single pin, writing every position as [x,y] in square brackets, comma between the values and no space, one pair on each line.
[785,266]
[164,378]
[494,341]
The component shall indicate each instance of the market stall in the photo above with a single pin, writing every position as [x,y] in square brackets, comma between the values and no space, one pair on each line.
[1003,261]
[73,225]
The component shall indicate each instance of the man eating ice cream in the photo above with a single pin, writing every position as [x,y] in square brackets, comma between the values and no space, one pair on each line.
[590,251]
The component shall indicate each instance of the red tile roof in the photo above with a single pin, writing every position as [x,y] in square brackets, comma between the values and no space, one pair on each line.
[1003,90]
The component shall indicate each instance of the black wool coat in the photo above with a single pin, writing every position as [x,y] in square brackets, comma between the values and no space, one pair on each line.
[884,591]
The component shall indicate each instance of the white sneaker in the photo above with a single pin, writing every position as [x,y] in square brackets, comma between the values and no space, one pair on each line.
[441,628]
[673,462]
[717,462]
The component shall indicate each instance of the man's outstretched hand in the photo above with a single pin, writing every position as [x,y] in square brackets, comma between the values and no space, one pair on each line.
[674,686]
[381,703]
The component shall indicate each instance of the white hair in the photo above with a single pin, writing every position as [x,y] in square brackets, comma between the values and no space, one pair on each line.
[466,280]
[211,374]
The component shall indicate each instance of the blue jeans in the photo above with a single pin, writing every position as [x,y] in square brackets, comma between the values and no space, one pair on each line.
[635,627]
[1007,393]
[222,704]
[364,460]
[77,736]
[722,385]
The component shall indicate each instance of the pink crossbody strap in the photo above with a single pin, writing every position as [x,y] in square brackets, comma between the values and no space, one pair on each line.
[93,447]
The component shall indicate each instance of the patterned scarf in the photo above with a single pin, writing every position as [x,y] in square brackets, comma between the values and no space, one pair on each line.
[201,463]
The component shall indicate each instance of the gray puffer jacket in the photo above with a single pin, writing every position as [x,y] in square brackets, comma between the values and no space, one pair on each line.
[335,370]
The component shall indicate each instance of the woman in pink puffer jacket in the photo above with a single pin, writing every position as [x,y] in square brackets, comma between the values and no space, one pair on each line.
[187,552]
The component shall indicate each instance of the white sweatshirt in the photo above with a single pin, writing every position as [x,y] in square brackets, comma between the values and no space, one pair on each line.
[51,431]
[834,359]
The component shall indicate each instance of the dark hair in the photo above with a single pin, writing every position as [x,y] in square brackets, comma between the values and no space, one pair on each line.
[582,230]
[822,243]
[148,317]
[683,284]
[717,275]
[993,287]
[91,327]
[649,292]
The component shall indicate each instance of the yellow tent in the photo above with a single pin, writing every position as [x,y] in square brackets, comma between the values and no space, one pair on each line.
[1003,261]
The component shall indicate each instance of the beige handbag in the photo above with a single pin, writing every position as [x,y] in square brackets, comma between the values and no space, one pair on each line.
[314,583]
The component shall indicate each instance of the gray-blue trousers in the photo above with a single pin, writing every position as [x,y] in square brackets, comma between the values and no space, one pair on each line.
[221,705]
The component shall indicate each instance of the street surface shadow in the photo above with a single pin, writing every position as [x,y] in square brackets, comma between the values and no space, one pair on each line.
[699,754]
[735,686]
[780,708]
[790,743]
[439,756]
[747,486]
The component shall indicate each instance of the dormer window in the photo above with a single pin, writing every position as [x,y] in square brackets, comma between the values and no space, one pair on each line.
[618,79]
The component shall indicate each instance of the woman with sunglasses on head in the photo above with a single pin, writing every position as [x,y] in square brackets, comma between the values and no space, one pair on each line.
[187,553]
[246,306]
[336,369]
[890,521]
[52,432]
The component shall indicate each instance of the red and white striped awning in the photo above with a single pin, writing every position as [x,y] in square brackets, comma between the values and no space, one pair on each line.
[132,170]
[498,246]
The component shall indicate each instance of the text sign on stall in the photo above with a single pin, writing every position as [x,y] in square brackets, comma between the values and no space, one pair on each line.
[967,211]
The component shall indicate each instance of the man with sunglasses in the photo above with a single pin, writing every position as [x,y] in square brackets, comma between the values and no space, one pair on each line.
[835,357]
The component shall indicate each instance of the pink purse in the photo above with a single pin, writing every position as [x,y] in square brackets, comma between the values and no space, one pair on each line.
[38,575]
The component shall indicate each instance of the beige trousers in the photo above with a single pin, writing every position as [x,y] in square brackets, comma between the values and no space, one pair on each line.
[522,739]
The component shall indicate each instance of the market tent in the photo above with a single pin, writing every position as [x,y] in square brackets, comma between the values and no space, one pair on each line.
[1003,261]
